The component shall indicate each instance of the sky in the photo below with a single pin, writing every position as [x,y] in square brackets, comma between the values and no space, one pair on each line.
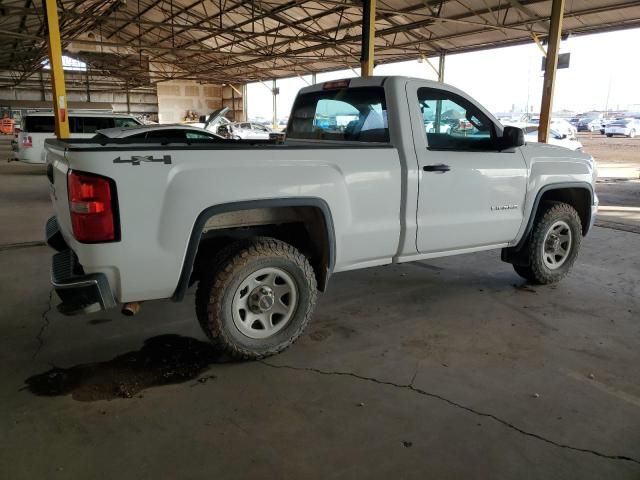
[604,73]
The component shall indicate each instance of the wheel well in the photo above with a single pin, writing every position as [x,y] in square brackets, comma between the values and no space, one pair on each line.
[304,227]
[579,198]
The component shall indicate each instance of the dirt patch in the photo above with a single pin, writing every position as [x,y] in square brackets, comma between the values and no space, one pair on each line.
[162,360]
[614,150]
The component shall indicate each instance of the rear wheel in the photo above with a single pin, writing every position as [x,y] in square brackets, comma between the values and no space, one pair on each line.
[553,246]
[256,300]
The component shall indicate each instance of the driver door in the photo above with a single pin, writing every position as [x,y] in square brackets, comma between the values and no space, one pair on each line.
[471,193]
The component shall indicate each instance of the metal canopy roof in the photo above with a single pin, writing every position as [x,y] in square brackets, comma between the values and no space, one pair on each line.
[222,41]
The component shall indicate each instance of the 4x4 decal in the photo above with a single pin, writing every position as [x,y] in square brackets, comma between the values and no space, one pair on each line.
[137,159]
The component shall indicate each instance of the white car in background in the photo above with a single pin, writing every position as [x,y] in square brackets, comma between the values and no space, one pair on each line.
[429,127]
[629,127]
[250,131]
[28,146]
[560,125]
[563,127]
[555,138]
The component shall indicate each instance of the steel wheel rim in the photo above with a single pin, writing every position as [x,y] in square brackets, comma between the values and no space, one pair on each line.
[557,245]
[264,302]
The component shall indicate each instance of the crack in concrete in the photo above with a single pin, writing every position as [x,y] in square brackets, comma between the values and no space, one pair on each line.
[45,324]
[419,391]
[13,246]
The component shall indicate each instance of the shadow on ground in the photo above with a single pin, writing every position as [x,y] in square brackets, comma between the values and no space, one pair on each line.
[162,360]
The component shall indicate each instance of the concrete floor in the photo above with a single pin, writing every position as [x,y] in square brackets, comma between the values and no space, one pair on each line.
[452,368]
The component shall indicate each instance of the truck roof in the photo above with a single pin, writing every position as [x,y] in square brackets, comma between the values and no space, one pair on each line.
[377,81]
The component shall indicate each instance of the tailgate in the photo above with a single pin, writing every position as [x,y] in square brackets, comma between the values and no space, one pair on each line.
[57,168]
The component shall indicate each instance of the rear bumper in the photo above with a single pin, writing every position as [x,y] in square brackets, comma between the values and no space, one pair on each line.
[80,293]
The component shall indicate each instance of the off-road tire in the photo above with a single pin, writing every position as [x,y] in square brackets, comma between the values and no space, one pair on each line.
[536,271]
[219,282]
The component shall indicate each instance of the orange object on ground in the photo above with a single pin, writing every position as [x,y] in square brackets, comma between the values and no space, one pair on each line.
[6,126]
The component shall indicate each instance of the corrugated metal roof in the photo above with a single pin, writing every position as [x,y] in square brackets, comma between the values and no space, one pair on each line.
[239,41]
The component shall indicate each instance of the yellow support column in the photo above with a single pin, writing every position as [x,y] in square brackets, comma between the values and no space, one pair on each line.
[57,73]
[551,65]
[368,37]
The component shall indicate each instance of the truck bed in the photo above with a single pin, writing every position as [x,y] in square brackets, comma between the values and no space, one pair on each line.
[162,189]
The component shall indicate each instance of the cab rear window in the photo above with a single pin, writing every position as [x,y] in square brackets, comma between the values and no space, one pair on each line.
[347,114]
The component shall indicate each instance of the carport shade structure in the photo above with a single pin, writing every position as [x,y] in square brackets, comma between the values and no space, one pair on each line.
[141,42]
[245,41]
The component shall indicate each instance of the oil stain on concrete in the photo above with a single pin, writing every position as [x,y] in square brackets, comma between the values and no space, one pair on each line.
[162,360]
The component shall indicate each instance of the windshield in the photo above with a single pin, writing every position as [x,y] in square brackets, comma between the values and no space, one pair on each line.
[351,114]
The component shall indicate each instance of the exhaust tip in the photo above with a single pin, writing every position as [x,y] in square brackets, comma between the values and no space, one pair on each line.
[130,309]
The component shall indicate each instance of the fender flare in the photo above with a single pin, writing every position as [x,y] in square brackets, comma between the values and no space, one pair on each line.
[536,204]
[207,213]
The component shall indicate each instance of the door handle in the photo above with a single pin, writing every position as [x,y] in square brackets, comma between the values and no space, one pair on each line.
[440,167]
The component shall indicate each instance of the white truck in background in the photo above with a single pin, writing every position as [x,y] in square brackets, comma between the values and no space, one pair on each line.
[373,171]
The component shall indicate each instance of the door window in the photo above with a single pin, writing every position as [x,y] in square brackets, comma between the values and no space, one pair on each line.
[451,122]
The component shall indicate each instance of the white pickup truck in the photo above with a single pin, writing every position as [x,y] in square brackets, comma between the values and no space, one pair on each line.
[373,171]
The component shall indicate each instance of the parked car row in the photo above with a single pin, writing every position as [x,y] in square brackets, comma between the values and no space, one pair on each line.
[28,144]
[629,127]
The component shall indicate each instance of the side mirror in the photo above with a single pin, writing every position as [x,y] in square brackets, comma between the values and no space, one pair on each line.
[512,137]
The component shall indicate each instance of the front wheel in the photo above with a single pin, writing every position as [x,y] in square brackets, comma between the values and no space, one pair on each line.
[609,135]
[553,246]
[257,299]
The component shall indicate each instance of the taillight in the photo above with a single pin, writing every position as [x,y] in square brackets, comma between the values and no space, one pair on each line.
[26,141]
[91,202]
